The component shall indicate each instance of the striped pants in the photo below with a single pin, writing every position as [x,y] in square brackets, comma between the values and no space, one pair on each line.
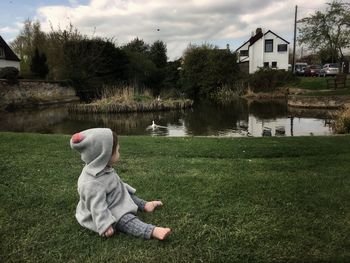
[130,224]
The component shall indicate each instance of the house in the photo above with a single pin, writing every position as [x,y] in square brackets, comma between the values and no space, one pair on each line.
[263,50]
[7,57]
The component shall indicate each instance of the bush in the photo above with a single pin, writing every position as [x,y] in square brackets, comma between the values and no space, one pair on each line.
[267,80]
[205,69]
[10,74]
[341,123]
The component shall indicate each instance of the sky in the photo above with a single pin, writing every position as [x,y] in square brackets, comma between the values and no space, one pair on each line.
[176,23]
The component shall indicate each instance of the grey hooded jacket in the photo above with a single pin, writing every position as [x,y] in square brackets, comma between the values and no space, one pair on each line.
[104,197]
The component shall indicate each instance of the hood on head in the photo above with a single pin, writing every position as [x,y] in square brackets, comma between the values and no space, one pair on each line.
[95,147]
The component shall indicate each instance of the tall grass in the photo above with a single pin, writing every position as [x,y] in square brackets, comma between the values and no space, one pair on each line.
[119,99]
[341,124]
[230,92]
[130,107]
[122,94]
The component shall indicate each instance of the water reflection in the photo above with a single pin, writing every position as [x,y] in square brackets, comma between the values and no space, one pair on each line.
[38,120]
[268,109]
[240,118]
[214,119]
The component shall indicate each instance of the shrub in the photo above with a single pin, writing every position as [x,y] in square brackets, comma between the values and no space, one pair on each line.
[10,74]
[266,80]
[341,123]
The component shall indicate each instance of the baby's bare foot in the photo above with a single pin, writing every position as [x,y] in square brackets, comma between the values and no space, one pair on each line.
[161,233]
[151,206]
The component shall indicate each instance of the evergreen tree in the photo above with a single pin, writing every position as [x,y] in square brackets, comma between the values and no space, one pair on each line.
[38,65]
[158,54]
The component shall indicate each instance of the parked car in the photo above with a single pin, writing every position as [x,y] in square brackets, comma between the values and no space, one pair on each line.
[329,69]
[312,71]
[299,68]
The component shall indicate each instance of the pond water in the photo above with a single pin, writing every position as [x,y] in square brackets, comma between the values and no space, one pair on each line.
[239,118]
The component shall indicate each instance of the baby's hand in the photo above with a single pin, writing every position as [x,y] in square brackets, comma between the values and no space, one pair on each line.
[109,232]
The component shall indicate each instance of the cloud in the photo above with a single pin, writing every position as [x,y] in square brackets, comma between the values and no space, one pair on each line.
[8,29]
[179,22]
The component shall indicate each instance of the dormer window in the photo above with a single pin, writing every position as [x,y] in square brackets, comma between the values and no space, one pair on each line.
[269,45]
[2,53]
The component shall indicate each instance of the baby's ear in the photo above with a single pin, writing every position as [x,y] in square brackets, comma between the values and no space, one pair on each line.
[78,137]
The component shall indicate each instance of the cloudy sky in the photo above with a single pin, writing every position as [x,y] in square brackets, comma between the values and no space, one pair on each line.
[177,23]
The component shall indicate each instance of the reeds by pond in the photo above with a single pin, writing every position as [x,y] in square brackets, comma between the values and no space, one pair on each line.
[124,99]
[115,107]
[341,124]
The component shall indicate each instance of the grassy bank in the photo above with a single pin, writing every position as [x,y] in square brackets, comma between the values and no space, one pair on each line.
[227,200]
[318,83]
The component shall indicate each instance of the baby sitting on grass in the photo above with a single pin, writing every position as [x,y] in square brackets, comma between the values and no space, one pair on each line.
[107,204]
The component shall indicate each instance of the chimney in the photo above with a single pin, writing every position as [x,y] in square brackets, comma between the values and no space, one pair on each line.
[228,46]
[258,30]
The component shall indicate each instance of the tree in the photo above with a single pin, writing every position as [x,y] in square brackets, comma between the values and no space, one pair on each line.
[172,75]
[206,68]
[158,54]
[56,41]
[90,63]
[142,71]
[327,31]
[137,45]
[38,65]
[30,38]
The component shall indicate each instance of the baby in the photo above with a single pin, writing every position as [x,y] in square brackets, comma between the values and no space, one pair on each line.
[107,204]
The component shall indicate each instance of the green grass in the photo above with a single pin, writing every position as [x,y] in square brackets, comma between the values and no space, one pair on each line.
[312,83]
[316,83]
[339,92]
[227,200]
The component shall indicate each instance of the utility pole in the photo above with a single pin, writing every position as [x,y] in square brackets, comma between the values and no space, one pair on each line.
[295,35]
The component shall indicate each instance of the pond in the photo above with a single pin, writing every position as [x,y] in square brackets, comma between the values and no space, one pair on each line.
[239,118]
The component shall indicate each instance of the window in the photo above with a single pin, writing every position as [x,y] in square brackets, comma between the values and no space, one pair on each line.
[2,53]
[266,64]
[274,64]
[243,53]
[269,45]
[282,47]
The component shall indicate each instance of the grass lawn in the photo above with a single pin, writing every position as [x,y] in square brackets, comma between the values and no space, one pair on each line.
[339,92]
[317,83]
[312,83]
[227,200]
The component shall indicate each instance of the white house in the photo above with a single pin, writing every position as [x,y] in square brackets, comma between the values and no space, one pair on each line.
[7,57]
[263,50]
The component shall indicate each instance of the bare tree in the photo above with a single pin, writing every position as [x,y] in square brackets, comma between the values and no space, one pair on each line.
[329,31]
